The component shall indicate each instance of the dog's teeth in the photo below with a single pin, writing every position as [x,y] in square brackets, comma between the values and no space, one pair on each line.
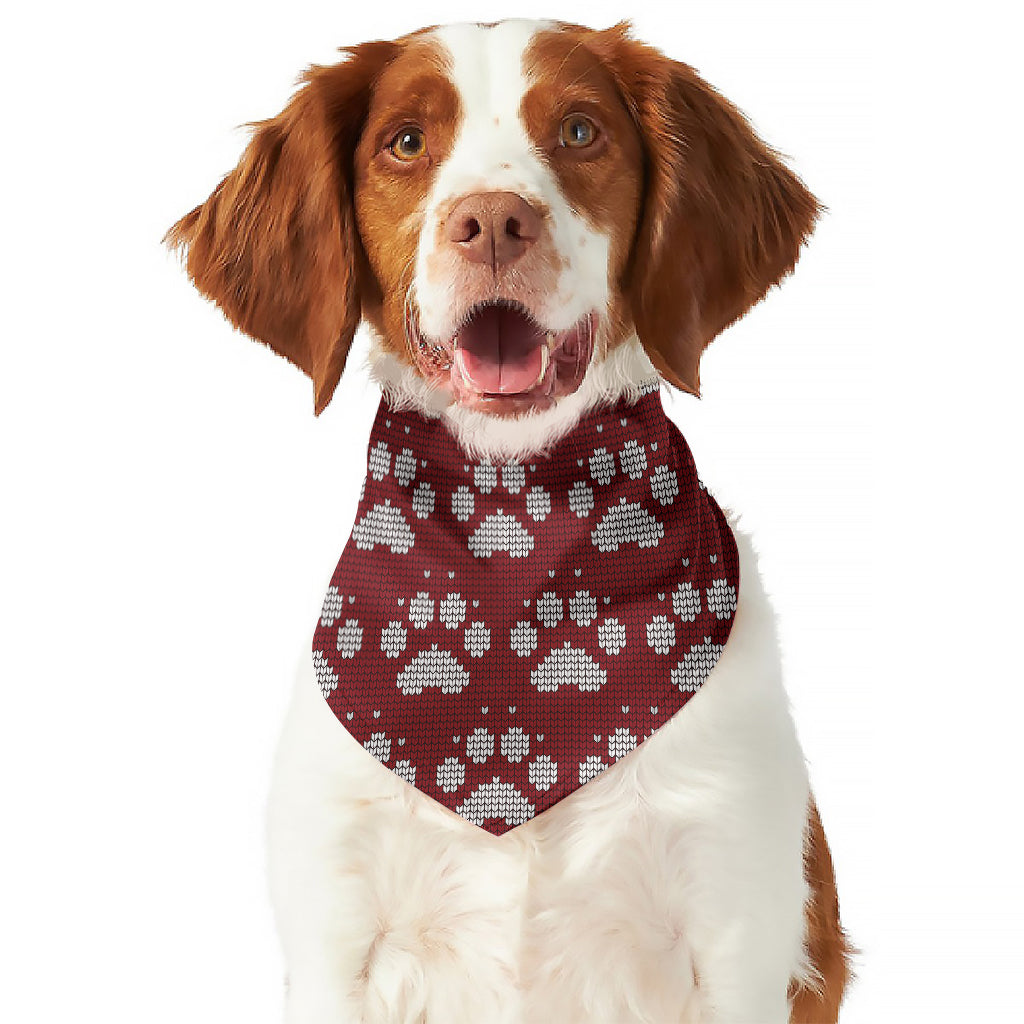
[545,359]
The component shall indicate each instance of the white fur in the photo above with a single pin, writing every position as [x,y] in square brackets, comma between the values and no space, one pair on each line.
[493,151]
[669,888]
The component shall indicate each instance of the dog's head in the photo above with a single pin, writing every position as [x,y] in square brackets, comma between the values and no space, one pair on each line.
[506,205]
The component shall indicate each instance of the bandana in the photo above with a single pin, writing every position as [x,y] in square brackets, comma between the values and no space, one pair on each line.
[498,635]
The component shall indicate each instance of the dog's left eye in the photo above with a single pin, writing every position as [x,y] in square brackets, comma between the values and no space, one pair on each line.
[409,144]
[577,132]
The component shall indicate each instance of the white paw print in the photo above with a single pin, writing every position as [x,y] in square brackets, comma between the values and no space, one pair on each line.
[695,666]
[513,477]
[479,746]
[620,743]
[384,525]
[591,767]
[721,599]
[549,608]
[611,635]
[583,608]
[405,466]
[581,500]
[463,503]
[538,503]
[453,611]
[451,774]
[686,602]
[569,665]
[626,523]
[633,460]
[515,745]
[421,610]
[543,772]
[661,634]
[325,676]
[392,639]
[524,639]
[501,532]
[406,770]
[423,500]
[433,668]
[664,486]
[380,746]
[379,461]
[334,605]
[485,476]
[477,640]
[602,466]
[350,638]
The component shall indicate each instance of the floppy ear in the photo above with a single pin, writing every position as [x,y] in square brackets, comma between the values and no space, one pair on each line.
[275,245]
[723,219]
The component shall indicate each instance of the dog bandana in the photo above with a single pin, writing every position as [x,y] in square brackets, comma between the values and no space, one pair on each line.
[498,635]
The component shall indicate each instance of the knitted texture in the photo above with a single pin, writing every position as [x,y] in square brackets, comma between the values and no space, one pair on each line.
[498,635]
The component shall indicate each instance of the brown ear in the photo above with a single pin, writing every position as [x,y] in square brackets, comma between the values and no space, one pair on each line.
[723,218]
[275,245]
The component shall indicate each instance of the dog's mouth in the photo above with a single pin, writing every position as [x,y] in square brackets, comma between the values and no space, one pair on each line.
[501,359]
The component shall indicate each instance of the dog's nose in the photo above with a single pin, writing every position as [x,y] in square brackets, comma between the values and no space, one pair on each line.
[493,227]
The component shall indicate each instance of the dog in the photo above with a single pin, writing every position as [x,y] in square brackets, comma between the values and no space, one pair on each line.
[541,224]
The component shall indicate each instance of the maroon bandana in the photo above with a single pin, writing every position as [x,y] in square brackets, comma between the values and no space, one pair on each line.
[499,635]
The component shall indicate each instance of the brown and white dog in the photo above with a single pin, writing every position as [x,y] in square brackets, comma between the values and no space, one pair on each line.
[611,213]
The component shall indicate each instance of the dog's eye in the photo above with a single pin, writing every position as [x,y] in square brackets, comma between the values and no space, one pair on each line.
[409,144]
[577,132]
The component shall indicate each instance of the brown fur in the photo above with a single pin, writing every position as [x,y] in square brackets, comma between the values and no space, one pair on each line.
[723,218]
[275,245]
[828,947]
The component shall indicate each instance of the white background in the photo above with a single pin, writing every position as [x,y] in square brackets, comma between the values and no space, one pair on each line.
[172,510]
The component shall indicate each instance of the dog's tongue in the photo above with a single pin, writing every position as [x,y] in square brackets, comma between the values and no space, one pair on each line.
[500,350]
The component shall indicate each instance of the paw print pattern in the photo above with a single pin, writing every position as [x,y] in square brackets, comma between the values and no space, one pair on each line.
[423,501]
[421,610]
[583,608]
[405,467]
[515,745]
[589,768]
[433,669]
[611,635]
[392,639]
[523,639]
[463,503]
[406,770]
[570,665]
[325,676]
[496,799]
[549,608]
[379,746]
[602,466]
[379,461]
[479,746]
[721,599]
[633,460]
[661,634]
[334,605]
[384,525]
[451,775]
[581,500]
[543,773]
[686,602]
[485,476]
[664,485]
[620,743]
[513,477]
[627,523]
[695,666]
[477,640]
[501,532]
[538,504]
[453,611]
[350,638]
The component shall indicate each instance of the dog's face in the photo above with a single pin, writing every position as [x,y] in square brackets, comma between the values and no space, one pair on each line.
[505,205]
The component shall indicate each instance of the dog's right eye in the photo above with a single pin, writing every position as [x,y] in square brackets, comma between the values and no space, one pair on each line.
[409,144]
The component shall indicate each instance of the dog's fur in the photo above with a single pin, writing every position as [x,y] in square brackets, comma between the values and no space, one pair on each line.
[692,880]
